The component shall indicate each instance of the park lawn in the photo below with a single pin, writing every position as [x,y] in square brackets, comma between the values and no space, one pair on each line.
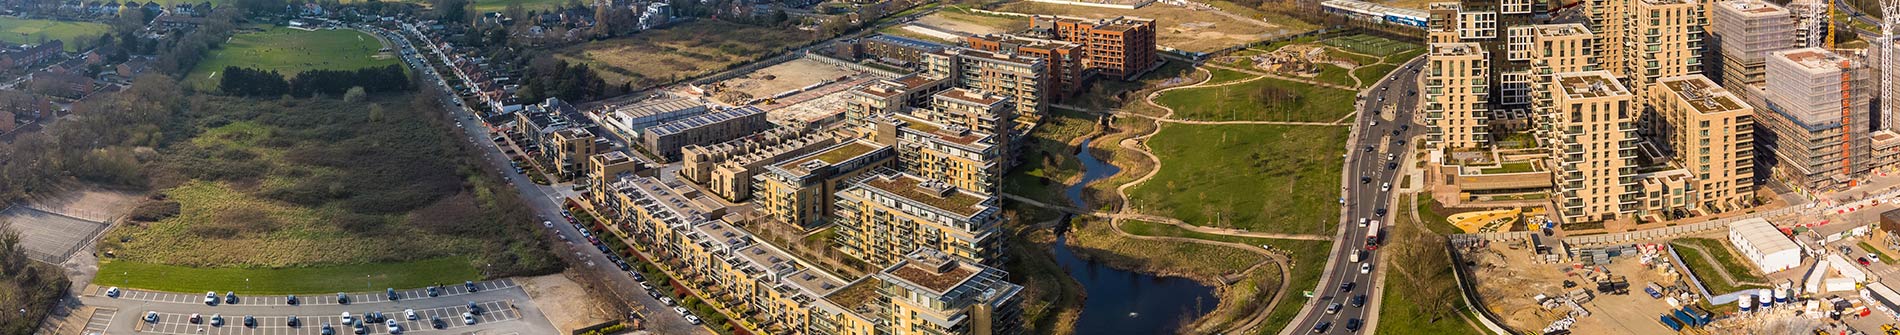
[1095,238]
[1306,257]
[1266,99]
[1370,45]
[687,50]
[218,225]
[291,51]
[298,280]
[1362,60]
[1693,259]
[1226,76]
[1333,74]
[1216,172]
[1401,316]
[1437,223]
[29,31]
[1050,161]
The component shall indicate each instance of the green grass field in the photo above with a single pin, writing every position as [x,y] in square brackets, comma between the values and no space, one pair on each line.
[1226,76]
[1368,44]
[1716,285]
[1215,172]
[1267,99]
[303,280]
[1050,163]
[21,31]
[289,51]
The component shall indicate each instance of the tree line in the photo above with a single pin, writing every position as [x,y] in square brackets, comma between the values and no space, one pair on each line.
[250,82]
[33,287]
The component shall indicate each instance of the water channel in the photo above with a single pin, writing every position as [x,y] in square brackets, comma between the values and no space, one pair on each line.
[1126,302]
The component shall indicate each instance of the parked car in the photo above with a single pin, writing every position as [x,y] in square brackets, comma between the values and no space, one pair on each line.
[1863,261]
[667,301]
[211,298]
[112,292]
[436,322]
[217,320]
[394,328]
[328,330]
[151,316]
[250,322]
[681,310]
[230,297]
[468,319]
[292,322]
[292,300]
[195,319]
[470,285]
[392,294]
[692,319]
[434,291]
[409,313]
[342,298]
[473,308]
[348,320]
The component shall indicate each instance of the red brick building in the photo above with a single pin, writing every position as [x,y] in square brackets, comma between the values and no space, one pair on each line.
[1120,47]
[1065,73]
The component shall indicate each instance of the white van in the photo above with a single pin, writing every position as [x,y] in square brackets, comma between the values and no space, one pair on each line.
[1355,255]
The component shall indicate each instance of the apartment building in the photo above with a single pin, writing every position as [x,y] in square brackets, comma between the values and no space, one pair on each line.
[1557,48]
[726,169]
[537,123]
[931,292]
[1816,116]
[926,293]
[1710,135]
[1592,136]
[801,191]
[1743,33]
[1016,76]
[612,165]
[880,217]
[1500,28]
[864,104]
[1645,40]
[1120,47]
[961,157]
[898,50]
[665,140]
[571,148]
[976,110]
[1066,74]
[1455,96]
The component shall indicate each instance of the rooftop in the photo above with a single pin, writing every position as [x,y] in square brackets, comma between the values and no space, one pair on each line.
[657,107]
[934,194]
[829,156]
[1705,95]
[1590,84]
[1752,7]
[854,295]
[1558,30]
[1813,60]
[685,124]
[906,42]
[1456,49]
[964,95]
[615,157]
[933,270]
[947,134]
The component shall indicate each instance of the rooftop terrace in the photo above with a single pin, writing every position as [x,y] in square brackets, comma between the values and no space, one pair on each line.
[1558,30]
[945,198]
[1592,84]
[1698,91]
[830,156]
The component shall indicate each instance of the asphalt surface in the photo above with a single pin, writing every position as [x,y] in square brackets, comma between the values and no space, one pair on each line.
[501,302]
[546,201]
[1362,200]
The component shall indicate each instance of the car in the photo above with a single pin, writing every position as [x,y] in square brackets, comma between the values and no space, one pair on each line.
[1396,133]
[1370,148]
[377,317]
[1383,187]
[361,329]
[1846,251]
[666,301]
[1379,211]
[639,278]
[1346,286]
[645,286]
[394,328]
[1873,257]
[230,297]
[1352,325]
[1375,123]
[1863,261]
[328,330]
[195,318]
[347,319]
[473,308]
[546,223]
[1381,98]
[1333,308]
[470,285]
[1358,301]
[1365,268]
[692,319]
[151,316]
[342,298]
[1322,327]
[1401,142]
[250,322]
[217,320]
[409,313]
[1365,180]
[1391,156]
[654,294]
[292,322]
[1404,127]
[1392,165]
[292,300]
[681,310]
[392,294]
[112,292]
[1362,222]
[436,322]
[434,291]
[211,298]
[467,318]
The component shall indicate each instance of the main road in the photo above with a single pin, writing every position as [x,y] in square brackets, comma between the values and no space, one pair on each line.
[1383,132]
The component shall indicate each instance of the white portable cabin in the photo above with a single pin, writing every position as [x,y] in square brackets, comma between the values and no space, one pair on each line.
[1764,245]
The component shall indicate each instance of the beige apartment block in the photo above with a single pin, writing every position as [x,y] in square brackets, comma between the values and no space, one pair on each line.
[1455,81]
[726,169]
[931,292]
[1557,48]
[571,148]
[880,217]
[1019,77]
[1710,133]
[956,155]
[889,96]
[801,191]
[975,110]
[1646,40]
[1592,139]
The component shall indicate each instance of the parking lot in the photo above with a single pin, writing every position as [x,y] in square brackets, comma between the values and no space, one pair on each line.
[312,300]
[177,323]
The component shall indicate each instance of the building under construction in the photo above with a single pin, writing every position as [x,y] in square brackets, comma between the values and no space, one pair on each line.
[1744,32]
[1817,118]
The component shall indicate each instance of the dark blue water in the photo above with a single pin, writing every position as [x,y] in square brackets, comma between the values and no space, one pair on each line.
[1127,302]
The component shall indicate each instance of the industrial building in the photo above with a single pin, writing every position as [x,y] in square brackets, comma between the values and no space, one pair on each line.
[1763,245]
[665,139]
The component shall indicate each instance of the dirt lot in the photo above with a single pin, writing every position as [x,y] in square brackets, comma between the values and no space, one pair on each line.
[565,302]
[1508,278]
[783,77]
[683,51]
[956,20]
[1179,27]
[87,203]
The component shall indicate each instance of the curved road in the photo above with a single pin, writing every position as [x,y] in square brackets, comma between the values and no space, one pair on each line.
[1363,199]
